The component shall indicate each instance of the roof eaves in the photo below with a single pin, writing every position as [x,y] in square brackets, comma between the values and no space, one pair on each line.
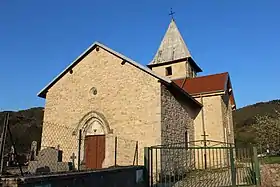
[208,92]
[42,93]
[189,59]
[226,82]
[197,68]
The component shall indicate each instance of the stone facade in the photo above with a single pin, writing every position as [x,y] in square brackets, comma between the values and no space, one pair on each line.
[216,116]
[216,119]
[124,93]
[105,96]
[212,117]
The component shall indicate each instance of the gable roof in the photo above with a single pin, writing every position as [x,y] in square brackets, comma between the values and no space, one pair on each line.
[207,84]
[43,92]
[165,80]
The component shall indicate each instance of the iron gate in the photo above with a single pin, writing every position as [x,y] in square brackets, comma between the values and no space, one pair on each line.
[190,164]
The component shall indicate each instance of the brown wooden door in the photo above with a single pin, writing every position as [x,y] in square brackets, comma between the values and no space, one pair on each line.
[94,151]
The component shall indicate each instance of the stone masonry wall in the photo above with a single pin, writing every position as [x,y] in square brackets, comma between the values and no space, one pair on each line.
[212,114]
[213,119]
[176,118]
[270,175]
[175,121]
[124,93]
[178,70]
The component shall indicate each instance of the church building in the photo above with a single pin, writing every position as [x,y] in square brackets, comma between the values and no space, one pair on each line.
[104,95]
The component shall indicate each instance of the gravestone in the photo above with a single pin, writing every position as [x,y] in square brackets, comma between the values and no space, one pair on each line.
[12,154]
[49,158]
[11,161]
[33,150]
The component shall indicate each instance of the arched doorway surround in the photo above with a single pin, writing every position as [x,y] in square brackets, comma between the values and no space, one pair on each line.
[94,128]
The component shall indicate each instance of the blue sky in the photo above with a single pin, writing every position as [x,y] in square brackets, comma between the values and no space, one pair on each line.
[38,39]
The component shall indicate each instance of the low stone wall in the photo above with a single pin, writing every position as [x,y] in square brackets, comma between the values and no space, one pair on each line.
[270,175]
[117,177]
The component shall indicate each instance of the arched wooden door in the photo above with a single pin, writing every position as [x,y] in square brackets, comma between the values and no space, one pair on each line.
[94,151]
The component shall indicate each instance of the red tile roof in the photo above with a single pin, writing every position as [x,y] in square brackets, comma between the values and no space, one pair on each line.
[206,84]
[209,83]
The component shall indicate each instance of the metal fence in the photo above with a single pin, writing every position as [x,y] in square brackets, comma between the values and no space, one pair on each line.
[57,148]
[267,152]
[185,164]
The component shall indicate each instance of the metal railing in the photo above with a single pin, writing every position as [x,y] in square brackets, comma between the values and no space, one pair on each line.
[218,164]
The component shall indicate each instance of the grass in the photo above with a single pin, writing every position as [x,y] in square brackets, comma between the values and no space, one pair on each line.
[270,160]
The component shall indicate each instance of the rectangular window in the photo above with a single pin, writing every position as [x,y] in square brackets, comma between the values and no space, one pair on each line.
[168,71]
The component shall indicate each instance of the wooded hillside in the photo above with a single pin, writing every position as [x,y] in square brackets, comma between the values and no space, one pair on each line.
[246,120]
[26,125]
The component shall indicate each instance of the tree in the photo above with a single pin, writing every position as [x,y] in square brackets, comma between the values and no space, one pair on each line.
[268,133]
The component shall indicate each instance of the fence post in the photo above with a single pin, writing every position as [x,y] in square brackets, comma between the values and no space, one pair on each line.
[135,159]
[79,147]
[232,166]
[147,166]
[3,141]
[256,167]
[137,153]
[116,149]
[13,144]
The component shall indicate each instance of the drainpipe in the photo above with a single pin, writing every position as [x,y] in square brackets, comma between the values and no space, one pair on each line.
[204,132]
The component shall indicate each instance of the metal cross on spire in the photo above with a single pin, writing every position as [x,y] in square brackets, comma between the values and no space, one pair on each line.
[171,13]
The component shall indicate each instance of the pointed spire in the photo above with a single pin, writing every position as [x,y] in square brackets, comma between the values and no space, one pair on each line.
[172,46]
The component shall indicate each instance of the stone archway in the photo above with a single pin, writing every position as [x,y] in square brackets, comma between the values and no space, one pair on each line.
[93,115]
[94,128]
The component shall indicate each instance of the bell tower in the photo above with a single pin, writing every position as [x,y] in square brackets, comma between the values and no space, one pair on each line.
[173,58]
